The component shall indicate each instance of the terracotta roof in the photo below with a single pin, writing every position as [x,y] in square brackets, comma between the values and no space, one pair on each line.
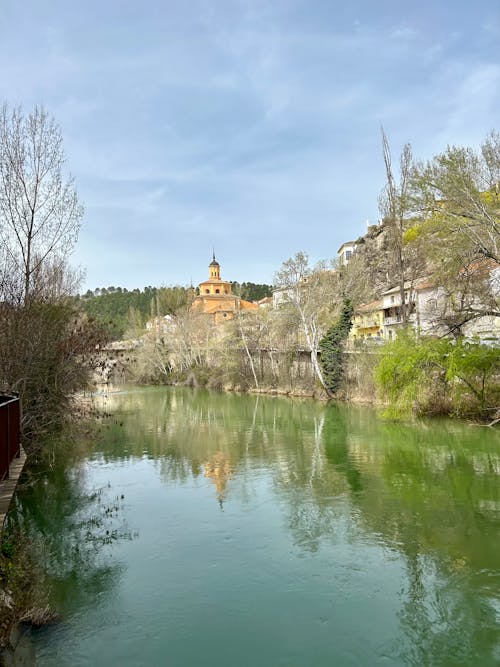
[215,281]
[421,283]
[481,266]
[370,307]
[248,305]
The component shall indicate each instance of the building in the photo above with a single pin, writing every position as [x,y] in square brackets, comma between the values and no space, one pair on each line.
[345,252]
[422,300]
[368,322]
[486,327]
[265,302]
[216,299]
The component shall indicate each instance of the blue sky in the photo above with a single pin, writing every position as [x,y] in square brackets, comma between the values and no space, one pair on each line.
[249,126]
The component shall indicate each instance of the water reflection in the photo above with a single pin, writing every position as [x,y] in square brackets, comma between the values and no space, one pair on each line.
[70,524]
[421,502]
[434,482]
[428,491]
[220,470]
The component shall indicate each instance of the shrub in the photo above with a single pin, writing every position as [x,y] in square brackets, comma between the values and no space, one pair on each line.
[425,376]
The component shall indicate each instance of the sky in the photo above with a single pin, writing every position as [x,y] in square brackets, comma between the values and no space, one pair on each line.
[251,127]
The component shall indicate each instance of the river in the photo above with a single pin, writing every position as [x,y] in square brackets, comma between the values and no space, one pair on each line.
[197,528]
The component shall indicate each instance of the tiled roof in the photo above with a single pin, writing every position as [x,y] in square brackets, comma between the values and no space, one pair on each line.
[370,307]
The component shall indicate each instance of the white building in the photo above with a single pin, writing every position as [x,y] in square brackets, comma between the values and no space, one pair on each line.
[422,300]
[487,328]
[345,252]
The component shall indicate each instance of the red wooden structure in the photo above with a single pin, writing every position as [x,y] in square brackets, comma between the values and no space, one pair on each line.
[10,432]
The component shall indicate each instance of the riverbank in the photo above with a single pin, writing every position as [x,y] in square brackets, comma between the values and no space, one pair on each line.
[8,487]
[407,378]
[23,581]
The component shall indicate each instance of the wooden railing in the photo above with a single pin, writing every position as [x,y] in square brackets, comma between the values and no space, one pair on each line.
[10,432]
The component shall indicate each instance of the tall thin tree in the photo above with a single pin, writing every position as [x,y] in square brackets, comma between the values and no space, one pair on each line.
[39,209]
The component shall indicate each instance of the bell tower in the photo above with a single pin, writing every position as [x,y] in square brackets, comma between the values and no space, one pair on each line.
[215,297]
[214,269]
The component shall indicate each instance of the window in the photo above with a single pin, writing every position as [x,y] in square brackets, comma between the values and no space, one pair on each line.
[207,291]
[217,291]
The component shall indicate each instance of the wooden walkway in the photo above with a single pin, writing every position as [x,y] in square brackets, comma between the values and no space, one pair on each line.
[8,486]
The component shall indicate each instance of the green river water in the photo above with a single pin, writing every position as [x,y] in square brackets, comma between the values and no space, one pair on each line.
[200,528]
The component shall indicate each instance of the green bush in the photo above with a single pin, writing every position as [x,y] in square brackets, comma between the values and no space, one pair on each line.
[425,376]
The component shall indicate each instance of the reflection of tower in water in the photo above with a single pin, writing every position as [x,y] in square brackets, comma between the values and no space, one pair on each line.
[219,469]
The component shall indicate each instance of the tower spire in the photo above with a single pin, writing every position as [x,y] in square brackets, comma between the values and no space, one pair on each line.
[214,268]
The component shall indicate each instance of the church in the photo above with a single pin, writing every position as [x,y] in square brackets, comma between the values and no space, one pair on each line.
[216,299]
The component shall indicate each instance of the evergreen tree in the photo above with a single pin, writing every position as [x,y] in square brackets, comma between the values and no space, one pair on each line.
[332,348]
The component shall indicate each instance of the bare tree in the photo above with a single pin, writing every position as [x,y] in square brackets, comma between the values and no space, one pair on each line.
[244,339]
[395,205]
[312,296]
[39,210]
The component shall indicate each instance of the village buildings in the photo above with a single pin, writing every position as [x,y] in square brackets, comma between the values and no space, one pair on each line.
[425,305]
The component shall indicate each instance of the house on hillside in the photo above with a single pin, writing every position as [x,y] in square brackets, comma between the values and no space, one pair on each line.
[345,252]
[486,327]
[368,322]
[421,299]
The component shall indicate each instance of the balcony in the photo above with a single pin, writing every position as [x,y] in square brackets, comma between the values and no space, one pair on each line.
[395,320]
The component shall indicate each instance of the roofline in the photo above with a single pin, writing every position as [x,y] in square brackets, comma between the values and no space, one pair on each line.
[346,243]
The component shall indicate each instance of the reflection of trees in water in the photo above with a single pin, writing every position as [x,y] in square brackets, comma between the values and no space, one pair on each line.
[320,473]
[437,480]
[446,617]
[68,528]
[187,429]
[424,499]
[428,491]
[428,508]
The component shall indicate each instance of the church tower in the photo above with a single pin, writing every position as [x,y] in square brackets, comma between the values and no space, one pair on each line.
[214,269]
[215,296]
[215,286]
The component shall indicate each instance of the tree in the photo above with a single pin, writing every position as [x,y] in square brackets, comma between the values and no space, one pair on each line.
[46,354]
[439,375]
[458,195]
[332,348]
[311,295]
[45,344]
[251,291]
[168,300]
[457,199]
[39,209]
[396,207]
